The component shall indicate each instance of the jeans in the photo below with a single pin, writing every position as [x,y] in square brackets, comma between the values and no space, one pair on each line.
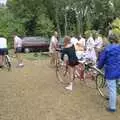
[112,93]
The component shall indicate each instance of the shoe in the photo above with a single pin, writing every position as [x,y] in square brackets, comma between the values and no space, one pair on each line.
[107,98]
[69,87]
[111,110]
[21,65]
[1,66]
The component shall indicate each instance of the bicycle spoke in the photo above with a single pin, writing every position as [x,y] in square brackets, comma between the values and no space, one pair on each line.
[62,74]
[101,85]
[90,79]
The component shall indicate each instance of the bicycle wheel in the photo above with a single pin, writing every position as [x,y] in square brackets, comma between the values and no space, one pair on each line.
[7,63]
[62,73]
[101,85]
[89,78]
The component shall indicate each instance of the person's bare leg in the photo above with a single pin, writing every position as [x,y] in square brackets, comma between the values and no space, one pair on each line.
[1,60]
[51,59]
[19,58]
[71,73]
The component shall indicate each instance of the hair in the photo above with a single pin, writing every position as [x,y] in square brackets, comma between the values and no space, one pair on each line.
[55,33]
[66,40]
[113,38]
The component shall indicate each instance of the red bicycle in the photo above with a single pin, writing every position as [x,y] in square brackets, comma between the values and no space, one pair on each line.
[85,71]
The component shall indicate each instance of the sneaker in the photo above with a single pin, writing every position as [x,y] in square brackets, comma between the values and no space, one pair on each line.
[21,65]
[1,66]
[111,110]
[69,87]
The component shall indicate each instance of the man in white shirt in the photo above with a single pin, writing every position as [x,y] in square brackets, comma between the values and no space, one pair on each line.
[18,50]
[3,50]
[98,44]
[74,40]
[53,46]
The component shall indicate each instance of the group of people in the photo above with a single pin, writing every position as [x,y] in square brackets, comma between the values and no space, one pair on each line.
[77,48]
[92,48]
[17,50]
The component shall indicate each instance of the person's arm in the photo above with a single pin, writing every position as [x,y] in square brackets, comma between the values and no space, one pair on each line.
[102,59]
[63,53]
[14,43]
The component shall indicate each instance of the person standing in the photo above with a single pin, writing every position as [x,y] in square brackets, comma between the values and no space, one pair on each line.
[18,50]
[53,47]
[110,59]
[69,51]
[74,40]
[98,44]
[80,48]
[3,50]
[90,49]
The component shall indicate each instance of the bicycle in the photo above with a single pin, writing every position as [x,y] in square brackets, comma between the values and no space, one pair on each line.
[7,62]
[90,72]
[102,87]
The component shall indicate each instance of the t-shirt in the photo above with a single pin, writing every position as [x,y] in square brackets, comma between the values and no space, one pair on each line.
[70,52]
[53,44]
[74,41]
[17,41]
[3,42]
[98,42]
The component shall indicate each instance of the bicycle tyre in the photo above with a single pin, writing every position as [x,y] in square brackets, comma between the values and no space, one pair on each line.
[7,62]
[101,85]
[89,78]
[62,73]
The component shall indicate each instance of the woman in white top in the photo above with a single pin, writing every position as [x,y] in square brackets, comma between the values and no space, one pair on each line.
[98,44]
[80,48]
[18,50]
[90,49]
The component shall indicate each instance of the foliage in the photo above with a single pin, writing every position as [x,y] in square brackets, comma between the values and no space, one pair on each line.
[44,26]
[42,17]
[116,27]
[9,25]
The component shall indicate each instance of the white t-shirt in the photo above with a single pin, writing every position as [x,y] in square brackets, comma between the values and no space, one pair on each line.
[74,40]
[90,43]
[82,42]
[53,44]
[3,42]
[80,53]
[17,42]
[98,42]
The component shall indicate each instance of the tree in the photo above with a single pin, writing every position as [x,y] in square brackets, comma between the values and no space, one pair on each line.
[9,25]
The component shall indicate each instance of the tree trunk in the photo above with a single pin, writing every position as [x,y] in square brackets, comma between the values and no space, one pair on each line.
[57,22]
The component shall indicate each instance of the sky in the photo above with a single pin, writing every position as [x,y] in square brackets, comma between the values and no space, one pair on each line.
[3,1]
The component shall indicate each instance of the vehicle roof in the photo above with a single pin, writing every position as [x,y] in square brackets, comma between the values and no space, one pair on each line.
[35,38]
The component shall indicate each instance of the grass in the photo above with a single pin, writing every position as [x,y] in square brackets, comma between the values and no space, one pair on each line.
[36,56]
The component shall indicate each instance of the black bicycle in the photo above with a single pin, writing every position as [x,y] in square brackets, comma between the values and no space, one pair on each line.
[7,62]
[102,86]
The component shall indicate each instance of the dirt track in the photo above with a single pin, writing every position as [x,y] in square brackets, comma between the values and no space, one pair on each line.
[33,93]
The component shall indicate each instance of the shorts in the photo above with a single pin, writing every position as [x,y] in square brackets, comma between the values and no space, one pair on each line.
[3,51]
[72,64]
[18,50]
